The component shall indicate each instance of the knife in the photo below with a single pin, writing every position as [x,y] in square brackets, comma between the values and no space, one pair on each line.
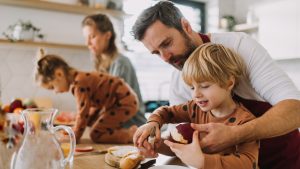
[151,138]
[147,164]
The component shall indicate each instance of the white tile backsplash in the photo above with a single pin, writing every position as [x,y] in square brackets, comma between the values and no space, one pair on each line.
[16,73]
[17,65]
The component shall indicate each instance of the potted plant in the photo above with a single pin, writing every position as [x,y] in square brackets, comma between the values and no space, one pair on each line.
[22,30]
[227,22]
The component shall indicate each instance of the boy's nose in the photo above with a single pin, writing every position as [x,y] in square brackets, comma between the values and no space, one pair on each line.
[197,94]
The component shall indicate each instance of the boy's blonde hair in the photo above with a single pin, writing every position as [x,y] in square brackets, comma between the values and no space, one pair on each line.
[46,66]
[213,63]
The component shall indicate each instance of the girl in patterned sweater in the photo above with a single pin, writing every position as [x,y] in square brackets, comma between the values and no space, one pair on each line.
[212,71]
[105,103]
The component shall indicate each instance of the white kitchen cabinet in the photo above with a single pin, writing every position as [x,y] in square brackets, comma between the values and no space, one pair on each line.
[279,28]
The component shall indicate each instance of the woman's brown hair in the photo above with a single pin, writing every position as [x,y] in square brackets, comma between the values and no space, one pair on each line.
[103,25]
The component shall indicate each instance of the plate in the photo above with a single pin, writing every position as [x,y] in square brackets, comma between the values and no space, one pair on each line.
[84,149]
[71,123]
[65,118]
[168,167]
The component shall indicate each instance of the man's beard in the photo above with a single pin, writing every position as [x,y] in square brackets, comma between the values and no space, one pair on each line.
[178,60]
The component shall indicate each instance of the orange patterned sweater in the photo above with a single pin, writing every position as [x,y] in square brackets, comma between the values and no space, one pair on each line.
[104,103]
[241,156]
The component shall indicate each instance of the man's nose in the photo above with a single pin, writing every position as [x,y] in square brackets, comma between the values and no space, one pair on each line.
[165,55]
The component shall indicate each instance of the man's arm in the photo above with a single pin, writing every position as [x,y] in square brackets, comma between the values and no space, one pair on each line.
[273,85]
[280,119]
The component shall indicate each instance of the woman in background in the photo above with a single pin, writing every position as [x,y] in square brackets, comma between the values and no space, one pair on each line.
[100,38]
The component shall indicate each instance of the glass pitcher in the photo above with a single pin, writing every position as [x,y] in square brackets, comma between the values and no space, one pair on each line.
[40,147]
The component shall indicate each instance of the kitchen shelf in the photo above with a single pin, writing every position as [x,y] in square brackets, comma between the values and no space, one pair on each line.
[43,44]
[78,9]
[245,27]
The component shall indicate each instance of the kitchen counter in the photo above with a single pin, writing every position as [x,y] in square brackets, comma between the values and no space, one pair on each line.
[97,161]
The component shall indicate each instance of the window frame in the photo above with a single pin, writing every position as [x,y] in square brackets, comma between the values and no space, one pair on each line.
[194,4]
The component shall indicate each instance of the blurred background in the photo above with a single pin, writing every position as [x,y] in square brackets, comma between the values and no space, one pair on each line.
[57,27]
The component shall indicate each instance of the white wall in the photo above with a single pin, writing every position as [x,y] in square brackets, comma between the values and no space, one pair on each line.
[278,29]
[279,33]
[16,74]
[57,26]
[291,67]
[16,63]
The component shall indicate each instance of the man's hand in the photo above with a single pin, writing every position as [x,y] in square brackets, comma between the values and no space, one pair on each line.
[219,136]
[190,154]
[140,139]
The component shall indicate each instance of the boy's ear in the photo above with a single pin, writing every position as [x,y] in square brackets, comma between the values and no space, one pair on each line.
[231,83]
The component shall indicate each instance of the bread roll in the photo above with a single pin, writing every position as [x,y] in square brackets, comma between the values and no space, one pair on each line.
[124,157]
[130,161]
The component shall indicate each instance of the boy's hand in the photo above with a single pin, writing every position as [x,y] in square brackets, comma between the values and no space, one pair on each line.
[140,139]
[190,154]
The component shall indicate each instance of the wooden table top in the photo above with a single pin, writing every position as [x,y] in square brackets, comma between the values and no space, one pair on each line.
[97,161]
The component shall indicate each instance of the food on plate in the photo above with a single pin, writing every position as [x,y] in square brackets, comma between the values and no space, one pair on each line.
[124,157]
[130,161]
[84,149]
[182,133]
[66,118]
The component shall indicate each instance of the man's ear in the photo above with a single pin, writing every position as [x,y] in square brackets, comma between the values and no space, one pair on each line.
[186,26]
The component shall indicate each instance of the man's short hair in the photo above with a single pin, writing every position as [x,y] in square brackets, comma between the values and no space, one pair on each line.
[164,11]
